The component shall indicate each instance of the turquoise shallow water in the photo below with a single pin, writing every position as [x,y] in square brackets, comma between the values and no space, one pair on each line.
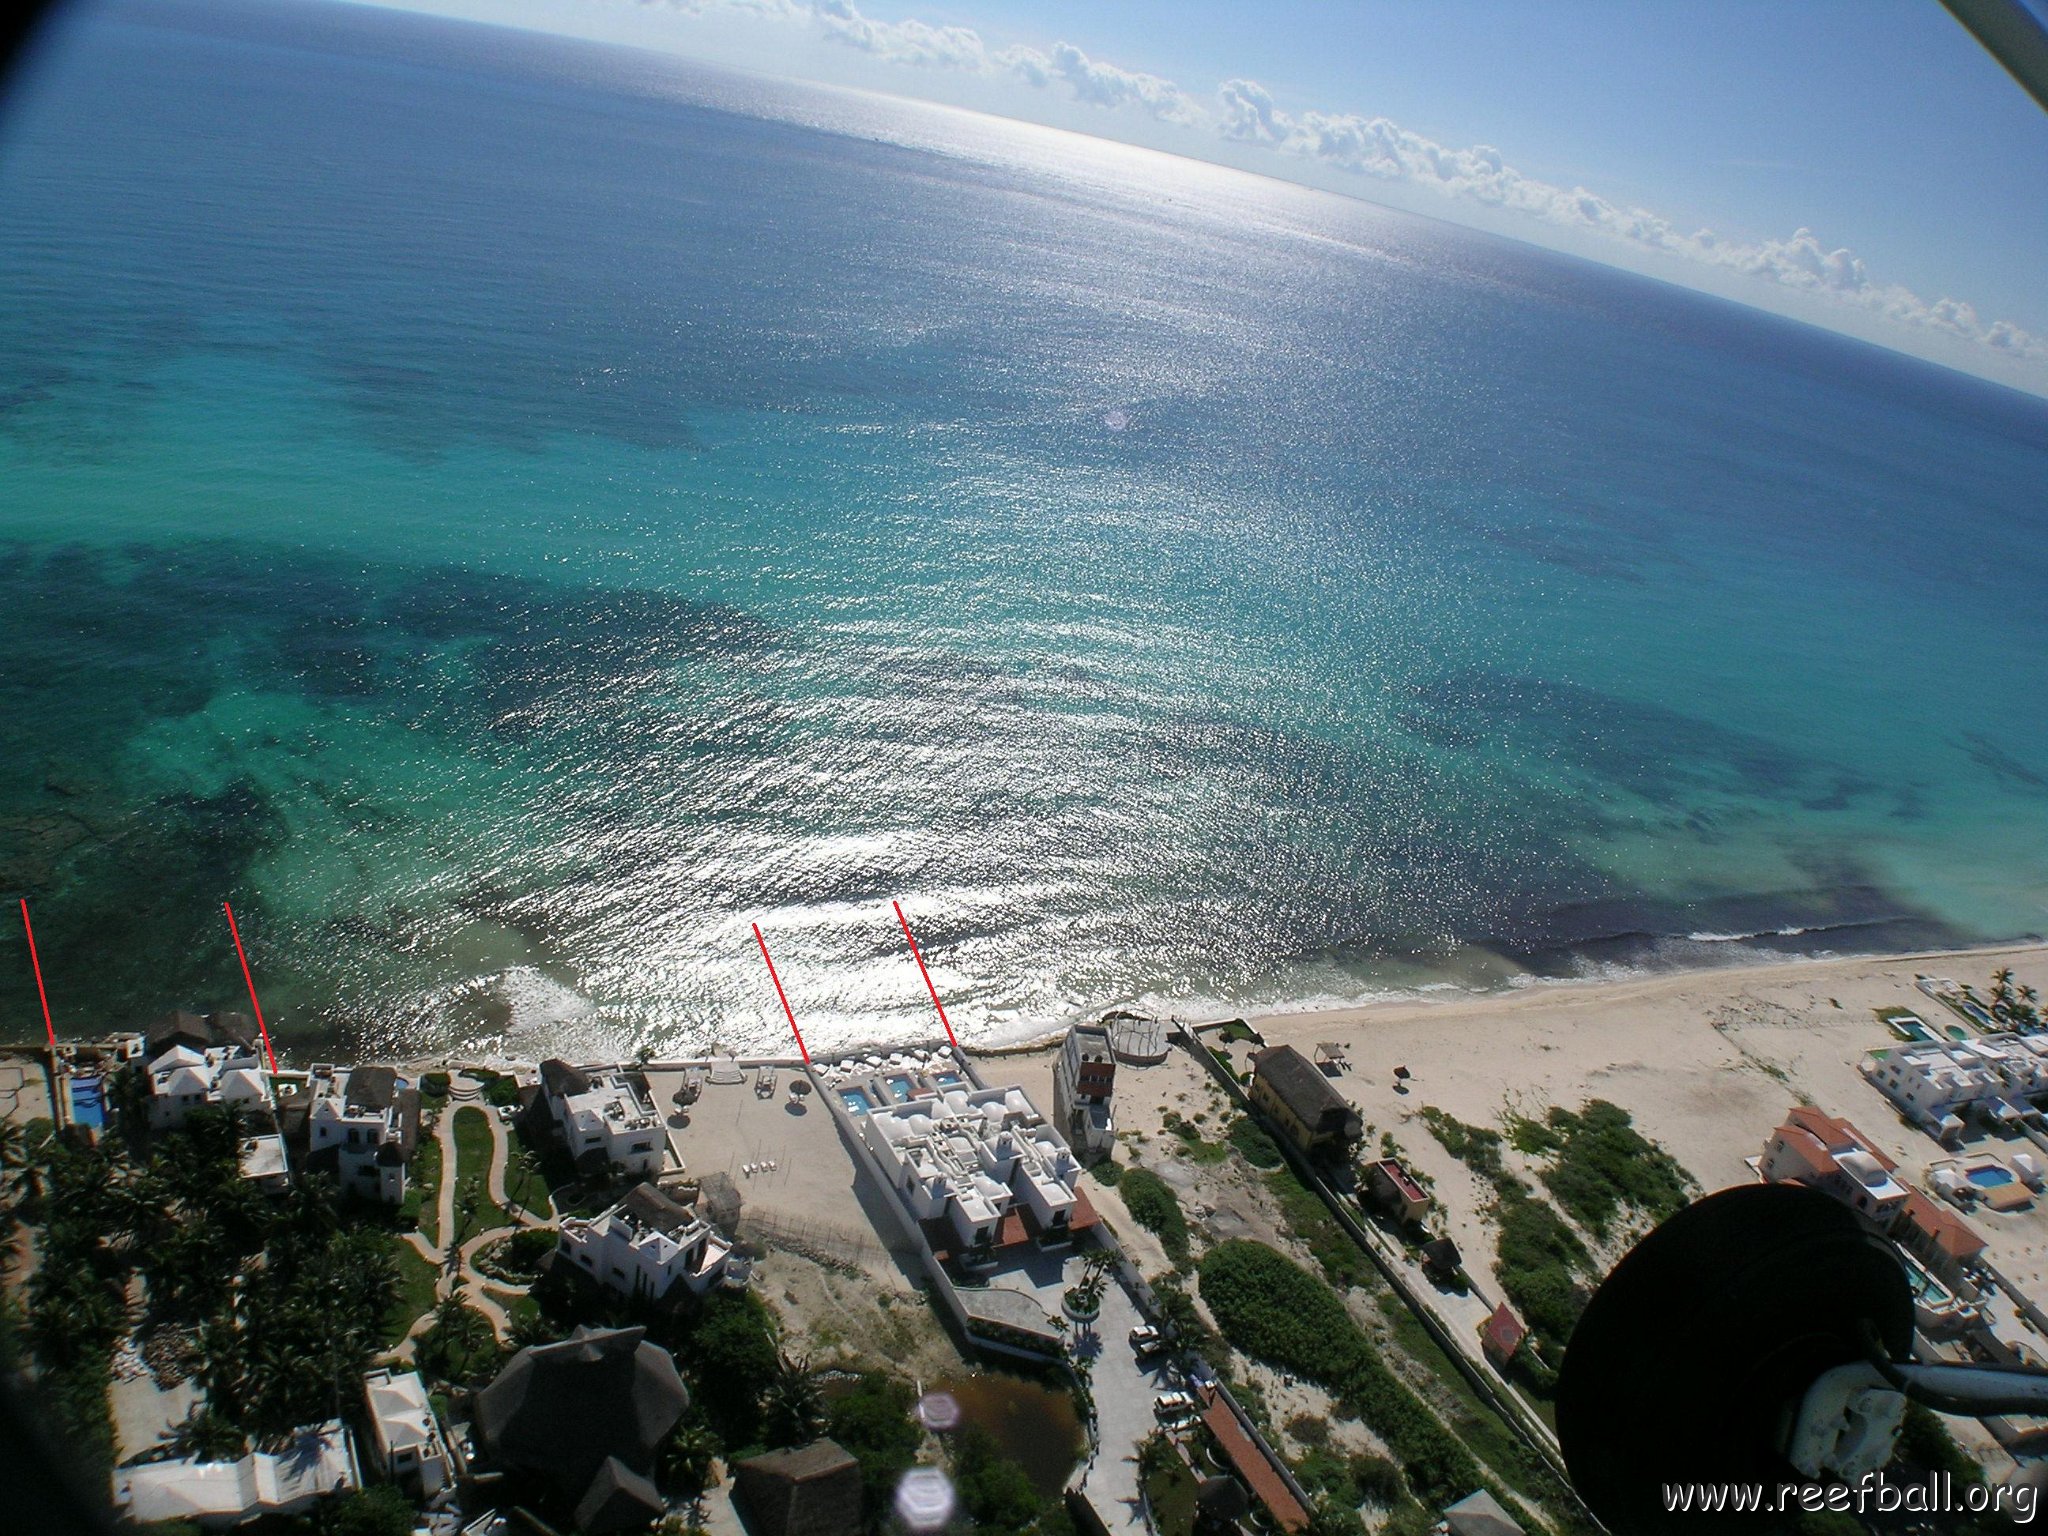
[511,516]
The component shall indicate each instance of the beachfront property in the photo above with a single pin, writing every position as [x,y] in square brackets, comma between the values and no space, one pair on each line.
[1939,1084]
[405,1434]
[1295,1096]
[1083,1081]
[1945,1244]
[1395,1191]
[645,1245]
[587,1415]
[605,1117]
[811,1490]
[977,1163]
[362,1122]
[186,1077]
[1832,1156]
[1829,1154]
[320,1460]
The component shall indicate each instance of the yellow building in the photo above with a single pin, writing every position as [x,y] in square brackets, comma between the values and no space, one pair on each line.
[1297,1098]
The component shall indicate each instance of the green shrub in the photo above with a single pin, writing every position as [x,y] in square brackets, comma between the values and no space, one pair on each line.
[1274,1310]
[1155,1206]
[996,1491]
[1604,1164]
[1540,1258]
[434,1086]
[1473,1145]
[1108,1173]
[1255,1145]
[876,1422]
[501,1092]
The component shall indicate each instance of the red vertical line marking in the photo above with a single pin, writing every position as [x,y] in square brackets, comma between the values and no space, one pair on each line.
[41,996]
[927,975]
[240,955]
[786,1013]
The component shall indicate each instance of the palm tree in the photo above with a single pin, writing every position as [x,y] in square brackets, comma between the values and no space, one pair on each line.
[795,1411]
[685,1460]
[206,1434]
[468,1200]
[525,1174]
[2001,988]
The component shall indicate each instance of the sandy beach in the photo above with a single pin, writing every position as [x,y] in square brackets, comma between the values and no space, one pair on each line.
[1707,1062]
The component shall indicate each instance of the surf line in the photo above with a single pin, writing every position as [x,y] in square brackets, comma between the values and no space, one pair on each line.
[918,956]
[41,996]
[784,996]
[250,981]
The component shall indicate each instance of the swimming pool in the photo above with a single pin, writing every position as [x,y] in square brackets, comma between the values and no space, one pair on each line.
[855,1101]
[1989,1175]
[899,1089]
[88,1102]
[948,1079]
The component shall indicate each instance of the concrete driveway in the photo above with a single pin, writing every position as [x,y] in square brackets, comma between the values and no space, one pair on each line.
[1124,1390]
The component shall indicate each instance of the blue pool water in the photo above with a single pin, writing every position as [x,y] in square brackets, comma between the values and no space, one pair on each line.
[855,1101]
[899,1089]
[1990,1176]
[88,1101]
[513,514]
[948,1079]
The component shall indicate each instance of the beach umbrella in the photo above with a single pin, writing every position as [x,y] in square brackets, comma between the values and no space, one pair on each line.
[1401,1073]
[799,1087]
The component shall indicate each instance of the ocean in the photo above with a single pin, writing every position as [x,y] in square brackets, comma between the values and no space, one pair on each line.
[513,515]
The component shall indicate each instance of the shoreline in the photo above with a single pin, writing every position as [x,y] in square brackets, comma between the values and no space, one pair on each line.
[1523,991]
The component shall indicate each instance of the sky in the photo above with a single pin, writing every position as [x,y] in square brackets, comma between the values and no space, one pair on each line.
[1861,164]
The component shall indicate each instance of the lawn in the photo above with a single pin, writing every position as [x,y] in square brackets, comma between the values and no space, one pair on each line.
[1171,1493]
[423,1188]
[473,1161]
[416,1278]
[526,1188]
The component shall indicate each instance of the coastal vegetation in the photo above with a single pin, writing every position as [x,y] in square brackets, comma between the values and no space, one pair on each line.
[1253,1144]
[283,1299]
[1599,1167]
[1275,1311]
[1154,1206]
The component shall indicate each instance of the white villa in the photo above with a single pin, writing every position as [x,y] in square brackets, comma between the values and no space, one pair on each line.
[1831,1155]
[604,1115]
[981,1159]
[1938,1084]
[411,1450]
[320,1460]
[645,1244]
[370,1117]
[185,1077]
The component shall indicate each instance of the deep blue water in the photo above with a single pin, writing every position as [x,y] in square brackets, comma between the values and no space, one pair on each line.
[511,515]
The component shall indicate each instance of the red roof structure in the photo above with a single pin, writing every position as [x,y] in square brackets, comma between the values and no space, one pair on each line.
[1942,1227]
[1250,1463]
[1502,1334]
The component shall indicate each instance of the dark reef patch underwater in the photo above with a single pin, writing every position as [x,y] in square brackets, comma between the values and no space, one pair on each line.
[510,515]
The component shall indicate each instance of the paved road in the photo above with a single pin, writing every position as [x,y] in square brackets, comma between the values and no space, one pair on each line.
[1124,1390]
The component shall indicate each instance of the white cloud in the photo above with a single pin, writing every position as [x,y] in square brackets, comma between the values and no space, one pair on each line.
[1373,146]
[1244,112]
[899,42]
[1100,84]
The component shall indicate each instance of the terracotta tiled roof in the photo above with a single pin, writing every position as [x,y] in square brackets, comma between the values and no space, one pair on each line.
[1831,1132]
[1250,1463]
[1951,1234]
